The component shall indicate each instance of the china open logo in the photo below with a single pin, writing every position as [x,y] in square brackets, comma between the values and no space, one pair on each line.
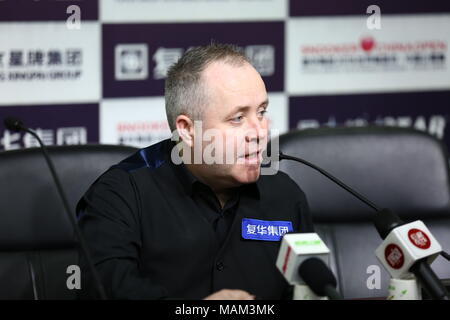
[419,239]
[394,256]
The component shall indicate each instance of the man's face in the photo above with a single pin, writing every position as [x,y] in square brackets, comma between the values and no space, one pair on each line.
[235,115]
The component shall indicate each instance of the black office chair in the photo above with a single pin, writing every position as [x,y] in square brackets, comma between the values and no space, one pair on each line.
[401,169]
[37,242]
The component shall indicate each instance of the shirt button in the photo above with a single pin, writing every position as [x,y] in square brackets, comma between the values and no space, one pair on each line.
[219,266]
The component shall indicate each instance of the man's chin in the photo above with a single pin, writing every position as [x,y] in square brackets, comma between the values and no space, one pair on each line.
[248,173]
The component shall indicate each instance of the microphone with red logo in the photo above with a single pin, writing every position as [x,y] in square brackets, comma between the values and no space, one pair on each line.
[409,248]
[406,247]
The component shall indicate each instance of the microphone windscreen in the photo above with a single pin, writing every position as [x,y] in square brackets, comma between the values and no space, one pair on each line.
[13,124]
[316,275]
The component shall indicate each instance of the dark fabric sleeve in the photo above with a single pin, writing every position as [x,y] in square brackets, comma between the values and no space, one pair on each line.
[109,220]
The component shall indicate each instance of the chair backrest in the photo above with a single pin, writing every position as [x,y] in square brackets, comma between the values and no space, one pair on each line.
[37,242]
[397,168]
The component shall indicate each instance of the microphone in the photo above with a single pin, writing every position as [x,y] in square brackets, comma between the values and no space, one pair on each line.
[389,226]
[295,250]
[16,125]
[319,278]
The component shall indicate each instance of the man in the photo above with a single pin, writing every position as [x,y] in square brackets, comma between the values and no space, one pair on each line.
[210,226]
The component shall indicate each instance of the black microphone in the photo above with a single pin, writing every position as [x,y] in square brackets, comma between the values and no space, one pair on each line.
[14,124]
[385,221]
[319,278]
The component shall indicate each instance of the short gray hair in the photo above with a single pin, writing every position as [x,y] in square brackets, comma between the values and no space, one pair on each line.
[184,91]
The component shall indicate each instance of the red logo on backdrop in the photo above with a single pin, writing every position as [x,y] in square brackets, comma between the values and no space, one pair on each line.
[394,256]
[419,239]
[367,43]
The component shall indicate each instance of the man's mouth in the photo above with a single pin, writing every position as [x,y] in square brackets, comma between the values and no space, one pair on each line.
[252,158]
[251,155]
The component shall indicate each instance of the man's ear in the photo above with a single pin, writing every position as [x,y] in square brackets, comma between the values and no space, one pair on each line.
[185,128]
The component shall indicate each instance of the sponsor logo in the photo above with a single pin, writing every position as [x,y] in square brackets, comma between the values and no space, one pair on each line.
[368,55]
[262,58]
[164,58]
[142,133]
[394,256]
[419,239]
[59,136]
[39,64]
[253,229]
[131,62]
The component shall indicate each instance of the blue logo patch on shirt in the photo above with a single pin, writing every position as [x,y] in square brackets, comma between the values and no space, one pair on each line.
[254,229]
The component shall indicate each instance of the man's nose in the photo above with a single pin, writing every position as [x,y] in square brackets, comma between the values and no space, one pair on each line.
[256,132]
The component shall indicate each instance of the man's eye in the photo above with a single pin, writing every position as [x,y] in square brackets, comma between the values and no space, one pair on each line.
[237,119]
[262,113]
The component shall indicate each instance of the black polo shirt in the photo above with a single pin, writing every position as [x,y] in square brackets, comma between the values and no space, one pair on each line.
[156,232]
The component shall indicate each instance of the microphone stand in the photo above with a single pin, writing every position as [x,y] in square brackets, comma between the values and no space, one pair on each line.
[16,125]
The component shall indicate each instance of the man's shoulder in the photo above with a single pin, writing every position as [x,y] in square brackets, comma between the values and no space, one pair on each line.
[143,160]
[127,175]
[151,157]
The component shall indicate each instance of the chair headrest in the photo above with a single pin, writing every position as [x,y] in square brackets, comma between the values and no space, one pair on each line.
[32,215]
[397,168]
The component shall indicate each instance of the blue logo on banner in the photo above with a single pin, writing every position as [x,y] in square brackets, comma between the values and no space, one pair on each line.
[254,229]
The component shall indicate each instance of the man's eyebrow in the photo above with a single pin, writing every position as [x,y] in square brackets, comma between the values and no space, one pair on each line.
[264,104]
